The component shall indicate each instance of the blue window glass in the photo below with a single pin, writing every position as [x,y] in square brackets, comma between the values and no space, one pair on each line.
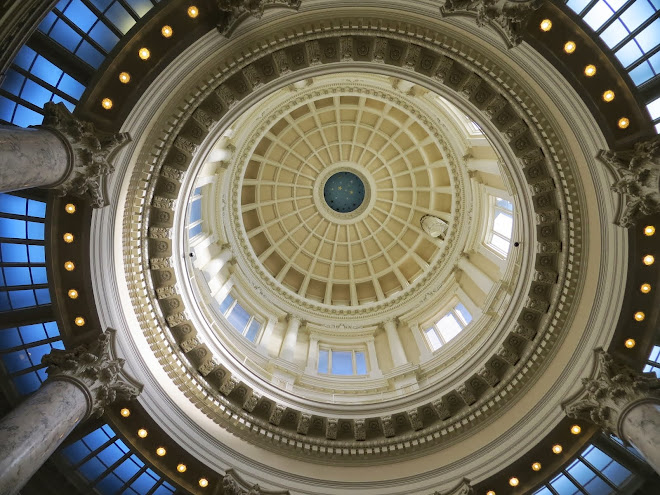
[47,22]
[26,383]
[33,333]
[7,108]
[13,253]
[253,331]
[104,36]
[76,452]
[109,485]
[140,7]
[143,483]
[636,14]
[127,469]
[16,361]
[342,363]
[92,469]
[12,204]
[563,486]
[463,313]
[238,317]
[196,210]
[598,14]
[22,299]
[360,363]
[13,82]
[11,228]
[323,361]
[81,16]
[65,35]
[46,71]
[163,490]
[25,57]
[9,337]
[96,438]
[224,306]
[24,117]
[90,55]
[196,230]
[120,17]
[35,94]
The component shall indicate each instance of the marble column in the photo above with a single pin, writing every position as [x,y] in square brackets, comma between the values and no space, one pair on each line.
[483,281]
[64,154]
[264,341]
[81,382]
[375,371]
[396,348]
[313,354]
[290,338]
[621,401]
[424,351]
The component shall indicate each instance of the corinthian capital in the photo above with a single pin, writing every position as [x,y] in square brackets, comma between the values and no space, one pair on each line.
[233,12]
[611,392]
[638,179]
[90,153]
[508,16]
[94,369]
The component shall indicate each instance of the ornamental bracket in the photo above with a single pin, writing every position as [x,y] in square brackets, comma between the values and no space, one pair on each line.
[234,12]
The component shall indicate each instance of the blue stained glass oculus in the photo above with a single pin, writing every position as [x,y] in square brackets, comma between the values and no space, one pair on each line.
[344,192]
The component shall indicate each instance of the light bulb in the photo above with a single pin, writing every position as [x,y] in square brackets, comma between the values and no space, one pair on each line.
[203,482]
[623,123]
[144,53]
[630,343]
[639,316]
[608,96]
[142,433]
[166,31]
[161,451]
[193,11]
[68,238]
[649,230]
[181,468]
[546,25]
[536,466]
[80,321]
[648,259]
[69,266]
[557,449]
[125,412]
[570,47]
[70,208]
[73,294]
[590,70]
[106,103]
[575,429]
[124,77]
[645,288]
[514,481]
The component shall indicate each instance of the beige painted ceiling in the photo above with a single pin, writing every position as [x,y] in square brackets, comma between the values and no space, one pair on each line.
[334,258]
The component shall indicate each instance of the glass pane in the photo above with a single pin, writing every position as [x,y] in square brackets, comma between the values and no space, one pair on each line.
[143,484]
[24,117]
[449,327]
[92,469]
[239,317]
[13,253]
[463,313]
[360,363]
[12,204]
[616,473]
[434,340]
[196,230]
[253,331]
[342,363]
[563,486]
[628,53]
[581,472]
[650,36]
[110,485]
[596,457]
[598,14]
[323,362]
[224,305]
[503,224]
[33,333]
[9,337]
[196,211]
[614,34]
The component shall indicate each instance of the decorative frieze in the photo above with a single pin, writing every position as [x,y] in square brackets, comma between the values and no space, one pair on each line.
[359,430]
[304,421]
[331,428]
[276,414]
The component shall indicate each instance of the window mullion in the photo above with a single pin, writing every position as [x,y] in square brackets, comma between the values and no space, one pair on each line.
[646,56]
[95,452]
[132,479]
[101,16]
[614,17]
[575,482]
[111,468]
[599,473]
[30,345]
[636,31]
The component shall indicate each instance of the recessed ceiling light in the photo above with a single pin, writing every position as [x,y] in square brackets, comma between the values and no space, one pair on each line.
[166,31]
[639,316]
[575,429]
[570,47]
[124,77]
[608,96]
[69,266]
[142,433]
[144,53]
[623,123]
[649,230]
[546,25]
[590,70]
[181,468]
[80,321]
[536,466]
[203,482]
[514,481]
[630,343]
[70,208]
[193,11]
[68,237]
[73,294]
[645,288]
[106,103]
[125,412]
[557,449]
[648,259]
[161,451]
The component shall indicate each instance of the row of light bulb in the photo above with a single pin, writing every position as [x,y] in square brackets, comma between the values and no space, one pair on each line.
[161,451]
[645,288]
[69,266]
[144,54]
[589,71]
[536,466]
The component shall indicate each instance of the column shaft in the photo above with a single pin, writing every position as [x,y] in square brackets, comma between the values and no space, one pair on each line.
[398,354]
[641,428]
[30,433]
[290,339]
[313,355]
[31,158]
[373,360]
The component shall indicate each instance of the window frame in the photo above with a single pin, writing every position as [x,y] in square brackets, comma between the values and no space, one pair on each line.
[322,347]
[493,210]
[453,311]
[252,319]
